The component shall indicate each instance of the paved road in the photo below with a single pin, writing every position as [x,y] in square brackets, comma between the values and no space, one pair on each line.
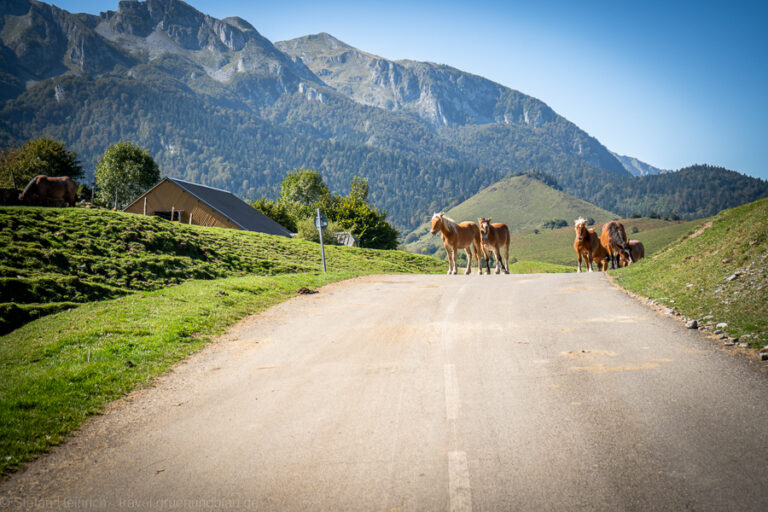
[539,392]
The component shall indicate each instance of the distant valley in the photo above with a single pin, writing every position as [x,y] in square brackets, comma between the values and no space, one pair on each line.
[217,103]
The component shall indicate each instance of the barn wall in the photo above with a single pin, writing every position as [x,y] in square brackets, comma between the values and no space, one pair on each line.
[167,195]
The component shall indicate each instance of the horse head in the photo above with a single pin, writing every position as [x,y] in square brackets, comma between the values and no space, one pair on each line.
[580,225]
[485,227]
[437,219]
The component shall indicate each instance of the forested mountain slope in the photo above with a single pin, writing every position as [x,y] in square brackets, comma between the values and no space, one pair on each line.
[217,103]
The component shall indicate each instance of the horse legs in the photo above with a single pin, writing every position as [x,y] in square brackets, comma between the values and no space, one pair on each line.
[499,263]
[486,255]
[454,252]
[468,270]
[589,261]
[505,262]
[480,251]
[449,255]
[578,257]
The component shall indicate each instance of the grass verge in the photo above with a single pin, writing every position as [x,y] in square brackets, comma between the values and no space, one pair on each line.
[715,275]
[61,369]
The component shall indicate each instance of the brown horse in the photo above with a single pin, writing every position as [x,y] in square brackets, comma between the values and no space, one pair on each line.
[614,240]
[588,247]
[494,237]
[585,243]
[458,236]
[636,249]
[46,191]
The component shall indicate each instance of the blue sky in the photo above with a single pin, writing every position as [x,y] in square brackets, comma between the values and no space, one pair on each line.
[671,83]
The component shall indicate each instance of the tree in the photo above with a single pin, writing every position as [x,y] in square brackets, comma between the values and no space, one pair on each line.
[302,191]
[304,187]
[38,156]
[368,224]
[125,172]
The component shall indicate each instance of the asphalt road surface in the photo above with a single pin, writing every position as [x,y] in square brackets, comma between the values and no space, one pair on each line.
[431,393]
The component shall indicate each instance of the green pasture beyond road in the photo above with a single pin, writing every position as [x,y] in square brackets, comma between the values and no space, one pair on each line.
[53,258]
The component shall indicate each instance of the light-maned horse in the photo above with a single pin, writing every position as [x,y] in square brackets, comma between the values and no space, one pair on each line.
[586,244]
[614,240]
[455,236]
[494,237]
[636,249]
[588,247]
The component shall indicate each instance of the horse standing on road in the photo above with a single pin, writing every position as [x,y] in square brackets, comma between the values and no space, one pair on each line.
[455,236]
[614,239]
[495,237]
[585,243]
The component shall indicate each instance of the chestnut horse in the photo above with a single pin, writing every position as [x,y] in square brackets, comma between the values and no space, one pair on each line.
[636,249]
[494,237]
[585,243]
[458,236]
[587,246]
[614,239]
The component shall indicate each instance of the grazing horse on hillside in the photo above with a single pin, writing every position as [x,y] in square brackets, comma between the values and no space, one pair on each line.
[46,191]
[636,249]
[455,236]
[614,239]
[494,237]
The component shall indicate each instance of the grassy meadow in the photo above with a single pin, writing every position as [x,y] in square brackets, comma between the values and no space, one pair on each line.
[718,274]
[54,258]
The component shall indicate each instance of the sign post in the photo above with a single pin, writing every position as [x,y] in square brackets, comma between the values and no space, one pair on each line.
[321,222]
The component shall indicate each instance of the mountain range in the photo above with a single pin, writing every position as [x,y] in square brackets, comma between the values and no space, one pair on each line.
[217,103]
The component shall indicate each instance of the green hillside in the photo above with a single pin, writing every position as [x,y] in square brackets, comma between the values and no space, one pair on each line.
[54,258]
[556,246]
[718,274]
[521,202]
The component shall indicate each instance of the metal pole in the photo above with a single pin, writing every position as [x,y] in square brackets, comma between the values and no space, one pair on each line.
[322,247]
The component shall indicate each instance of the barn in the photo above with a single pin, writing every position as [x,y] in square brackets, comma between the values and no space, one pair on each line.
[192,203]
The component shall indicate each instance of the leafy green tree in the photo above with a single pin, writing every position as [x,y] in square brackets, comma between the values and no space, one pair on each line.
[303,191]
[38,156]
[368,224]
[305,187]
[125,172]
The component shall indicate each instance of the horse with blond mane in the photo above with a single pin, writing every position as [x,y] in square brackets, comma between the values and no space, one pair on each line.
[455,236]
[494,237]
[585,244]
